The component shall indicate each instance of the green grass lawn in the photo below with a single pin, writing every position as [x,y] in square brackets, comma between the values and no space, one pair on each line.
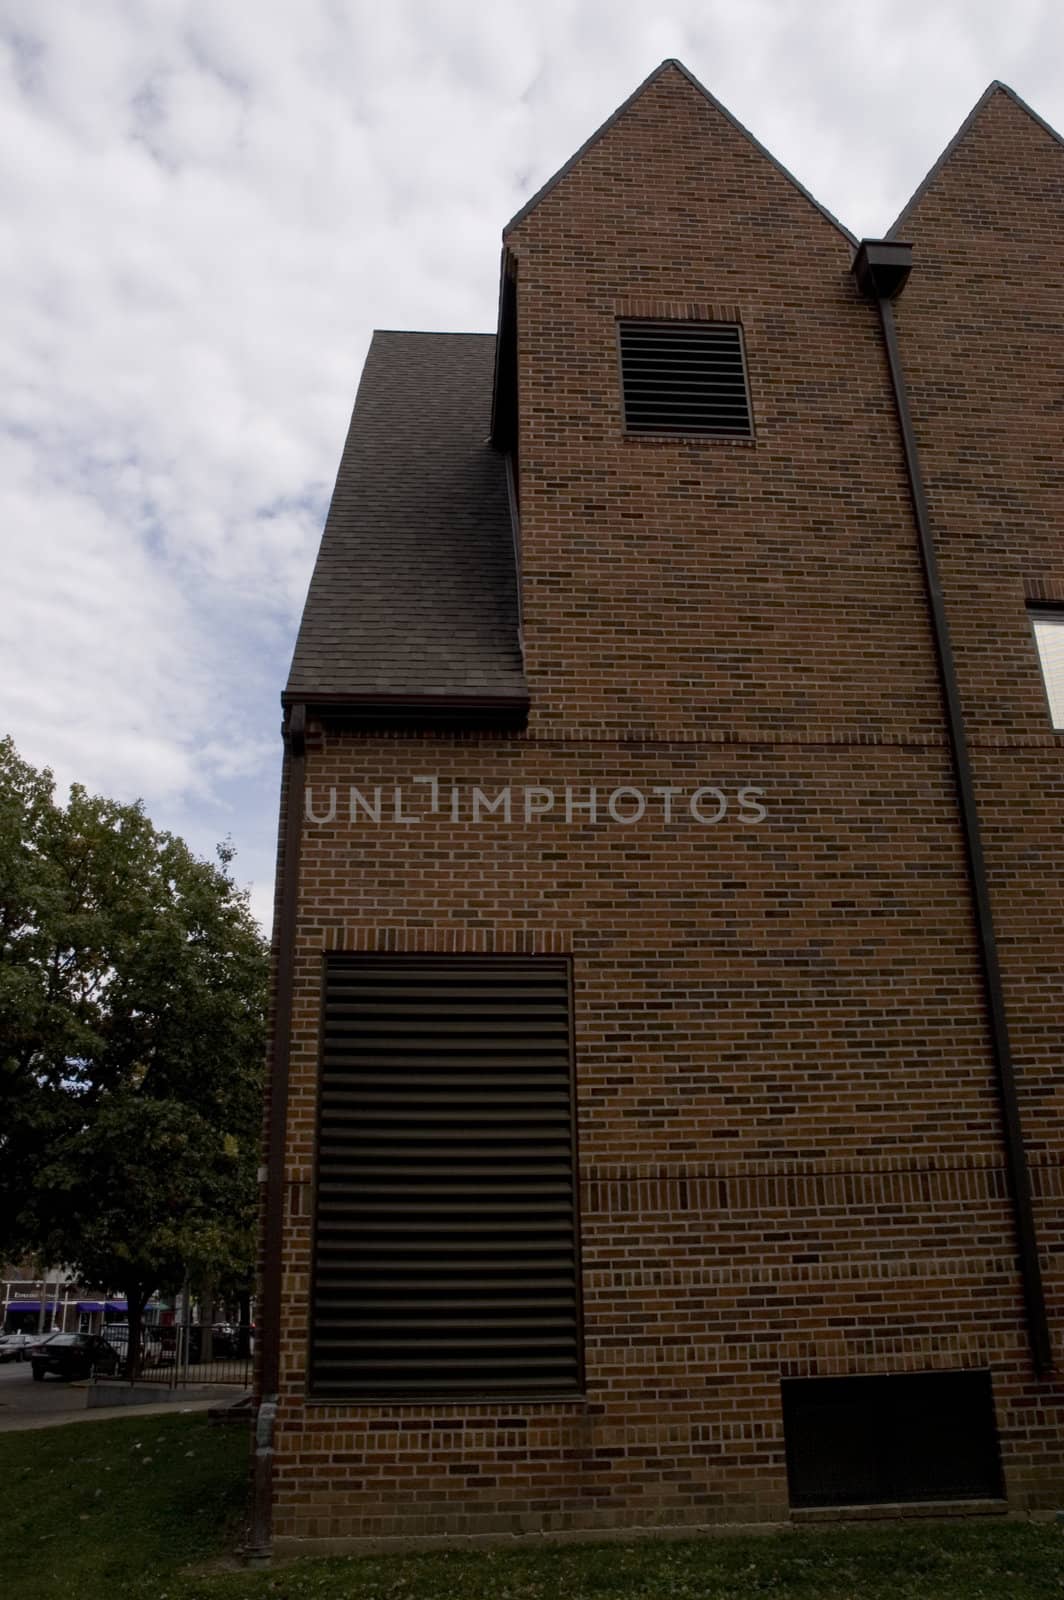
[124,1509]
[115,1508]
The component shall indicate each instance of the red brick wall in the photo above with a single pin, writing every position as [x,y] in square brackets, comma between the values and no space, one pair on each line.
[982,330]
[717,585]
[790,1148]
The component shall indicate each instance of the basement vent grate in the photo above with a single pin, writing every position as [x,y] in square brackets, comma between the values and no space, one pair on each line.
[684,377]
[899,1437]
[445,1257]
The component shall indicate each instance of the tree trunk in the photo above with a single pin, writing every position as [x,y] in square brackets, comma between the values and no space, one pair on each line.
[136,1300]
[207,1304]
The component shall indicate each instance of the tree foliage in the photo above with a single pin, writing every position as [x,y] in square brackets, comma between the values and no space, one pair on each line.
[132,1000]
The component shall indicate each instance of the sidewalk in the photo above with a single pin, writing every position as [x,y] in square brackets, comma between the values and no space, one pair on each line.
[26,1404]
[18,1422]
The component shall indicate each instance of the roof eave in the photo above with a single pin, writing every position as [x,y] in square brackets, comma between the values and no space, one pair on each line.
[503,433]
[451,708]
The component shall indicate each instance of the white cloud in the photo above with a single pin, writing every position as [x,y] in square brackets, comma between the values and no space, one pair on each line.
[203,211]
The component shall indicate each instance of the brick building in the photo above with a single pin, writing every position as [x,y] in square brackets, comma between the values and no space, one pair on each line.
[666,1109]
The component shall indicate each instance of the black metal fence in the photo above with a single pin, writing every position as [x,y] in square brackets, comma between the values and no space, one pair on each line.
[188,1354]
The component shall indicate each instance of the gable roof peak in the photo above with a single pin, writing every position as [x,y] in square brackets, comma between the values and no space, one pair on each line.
[671,64]
[993,88]
[1046,127]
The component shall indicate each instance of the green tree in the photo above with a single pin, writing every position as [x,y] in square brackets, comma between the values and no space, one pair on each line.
[132,1003]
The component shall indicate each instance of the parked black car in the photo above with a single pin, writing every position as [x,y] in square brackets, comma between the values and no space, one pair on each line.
[74,1355]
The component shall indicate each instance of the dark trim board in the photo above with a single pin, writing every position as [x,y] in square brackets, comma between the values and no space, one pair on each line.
[506,713]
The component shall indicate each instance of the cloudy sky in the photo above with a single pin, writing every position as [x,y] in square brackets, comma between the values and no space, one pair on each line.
[206,206]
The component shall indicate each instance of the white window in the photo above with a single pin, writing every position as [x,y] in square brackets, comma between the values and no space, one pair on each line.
[1049,637]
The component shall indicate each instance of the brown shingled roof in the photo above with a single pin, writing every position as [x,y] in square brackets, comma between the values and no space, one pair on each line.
[414,594]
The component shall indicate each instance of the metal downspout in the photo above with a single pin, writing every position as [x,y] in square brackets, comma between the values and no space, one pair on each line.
[882,289]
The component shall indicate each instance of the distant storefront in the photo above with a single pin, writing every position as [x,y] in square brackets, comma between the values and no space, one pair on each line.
[70,1308]
[23,1316]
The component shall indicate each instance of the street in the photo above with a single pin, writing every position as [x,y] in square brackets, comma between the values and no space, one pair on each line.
[21,1398]
[25,1404]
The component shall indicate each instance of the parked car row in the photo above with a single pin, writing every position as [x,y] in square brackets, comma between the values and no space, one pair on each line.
[67,1355]
[82,1355]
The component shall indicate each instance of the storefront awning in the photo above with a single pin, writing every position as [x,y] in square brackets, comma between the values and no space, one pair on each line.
[29,1305]
[89,1305]
[117,1305]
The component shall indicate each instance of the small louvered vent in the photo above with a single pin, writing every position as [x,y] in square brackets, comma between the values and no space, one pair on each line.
[684,377]
[445,1246]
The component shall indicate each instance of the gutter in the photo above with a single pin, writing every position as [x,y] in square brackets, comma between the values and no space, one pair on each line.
[881,268]
[259,1542]
[402,709]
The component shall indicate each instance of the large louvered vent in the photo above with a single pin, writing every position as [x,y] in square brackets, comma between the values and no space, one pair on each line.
[684,377]
[445,1245]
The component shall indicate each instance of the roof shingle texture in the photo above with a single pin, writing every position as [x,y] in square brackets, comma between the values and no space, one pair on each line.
[415,589]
